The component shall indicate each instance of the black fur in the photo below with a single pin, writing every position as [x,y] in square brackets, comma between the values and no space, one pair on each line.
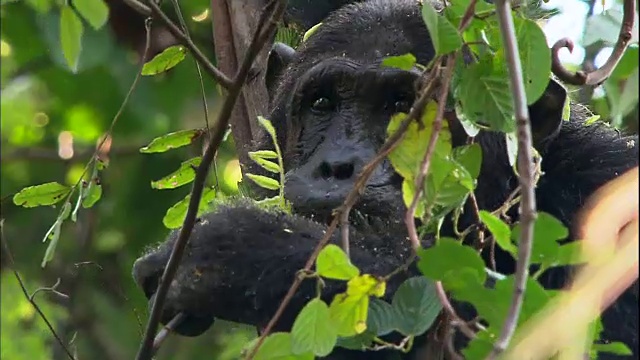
[241,260]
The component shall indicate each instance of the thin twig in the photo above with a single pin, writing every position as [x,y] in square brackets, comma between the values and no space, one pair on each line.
[348,203]
[526,174]
[260,37]
[139,7]
[166,330]
[344,229]
[221,78]
[29,298]
[598,76]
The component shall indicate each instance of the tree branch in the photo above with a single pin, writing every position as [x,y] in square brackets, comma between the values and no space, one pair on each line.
[221,78]
[598,76]
[526,174]
[263,33]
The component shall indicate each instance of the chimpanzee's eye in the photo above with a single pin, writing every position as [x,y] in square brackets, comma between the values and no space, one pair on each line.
[322,105]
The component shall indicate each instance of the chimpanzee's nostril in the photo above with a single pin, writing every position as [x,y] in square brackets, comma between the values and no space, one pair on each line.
[338,171]
[325,170]
[343,171]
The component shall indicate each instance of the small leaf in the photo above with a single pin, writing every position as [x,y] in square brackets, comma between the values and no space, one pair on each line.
[264,182]
[39,195]
[184,175]
[263,154]
[500,231]
[417,305]
[267,165]
[357,342]
[333,263]
[164,61]
[402,62]
[312,331]
[93,193]
[172,141]
[591,120]
[566,109]
[616,348]
[349,314]
[310,32]
[71,30]
[267,125]
[449,255]
[74,214]
[277,346]
[54,234]
[95,12]
[175,215]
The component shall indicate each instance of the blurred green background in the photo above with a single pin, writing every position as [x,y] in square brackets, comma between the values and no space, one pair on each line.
[51,120]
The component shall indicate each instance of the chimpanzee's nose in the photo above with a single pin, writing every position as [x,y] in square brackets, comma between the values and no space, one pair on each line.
[337,169]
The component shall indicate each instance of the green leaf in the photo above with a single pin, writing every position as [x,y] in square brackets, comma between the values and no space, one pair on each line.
[480,347]
[402,62]
[357,342]
[93,193]
[547,230]
[164,61]
[172,141]
[263,154]
[447,183]
[266,164]
[267,125]
[417,305]
[333,263]
[41,195]
[349,314]
[175,215]
[71,30]
[469,156]
[95,12]
[184,175]
[617,348]
[310,32]
[591,120]
[449,255]
[570,254]
[485,95]
[54,234]
[444,35]
[264,182]
[500,231]
[277,346]
[382,318]
[312,331]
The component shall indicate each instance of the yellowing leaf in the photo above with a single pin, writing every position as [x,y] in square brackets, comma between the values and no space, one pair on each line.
[349,313]
[365,285]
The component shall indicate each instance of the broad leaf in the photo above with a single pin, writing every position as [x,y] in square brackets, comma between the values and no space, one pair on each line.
[333,263]
[402,62]
[184,175]
[172,141]
[277,346]
[71,31]
[95,12]
[175,215]
[39,195]
[417,305]
[449,255]
[164,61]
[312,331]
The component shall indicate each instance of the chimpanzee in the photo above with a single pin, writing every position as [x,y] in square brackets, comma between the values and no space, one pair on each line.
[331,102]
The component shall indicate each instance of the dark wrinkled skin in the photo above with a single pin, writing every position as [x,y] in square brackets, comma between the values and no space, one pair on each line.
[241,260]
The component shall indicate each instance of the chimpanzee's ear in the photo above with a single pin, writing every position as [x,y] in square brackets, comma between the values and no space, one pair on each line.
[546,114]
[279,57]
